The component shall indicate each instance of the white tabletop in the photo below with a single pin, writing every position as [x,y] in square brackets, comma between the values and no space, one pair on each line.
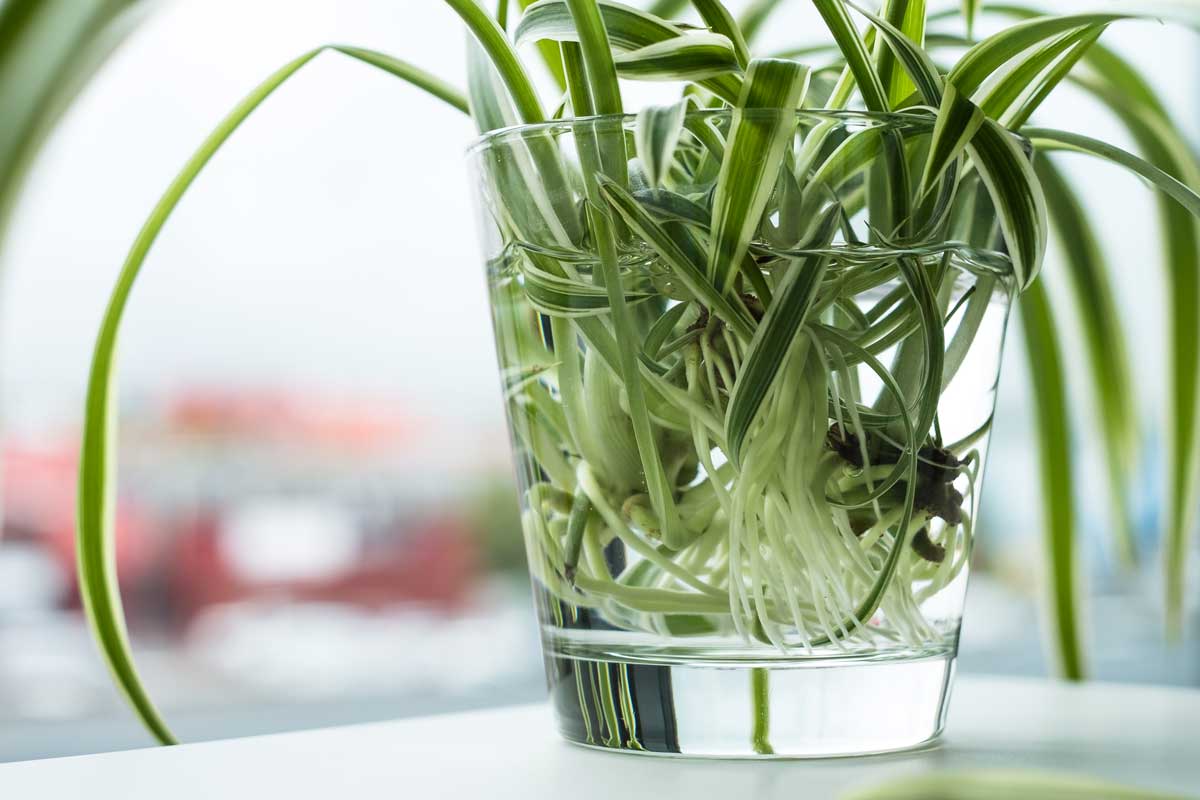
[1141,735]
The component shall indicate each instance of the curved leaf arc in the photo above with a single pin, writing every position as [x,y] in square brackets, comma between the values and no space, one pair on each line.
[97,466]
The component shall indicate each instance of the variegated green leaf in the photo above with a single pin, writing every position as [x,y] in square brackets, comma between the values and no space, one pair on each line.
[718,19]
[1022,78]
[763,124]
[627,29]
[957,123]
[680,253]
[776,334]
[657,134]
[489,105]
[985,58]
[692,57]
[918,71]
[597,54]
[504,58]
[1050,139]
[559,296]
[1049,81]
[855,50]
[1017,195]
[672,207]
[907,17]
[549,52]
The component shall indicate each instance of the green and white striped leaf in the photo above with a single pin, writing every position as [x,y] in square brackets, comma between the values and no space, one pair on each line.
[489,105]
[1015,118]
[719,20]
[495,43]
[596,48]
[855,50]
[984,59]
[1017,195]
[564,297]
[776,334]
[628,28]
[657,134]
[1050,139]
[692,57]
[919,71]
[907,17]
[678,252]
[550,54]
[958,121]
[1023,77]
[672,207]
[763,124]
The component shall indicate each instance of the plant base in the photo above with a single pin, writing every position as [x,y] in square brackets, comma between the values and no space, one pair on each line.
[797,709]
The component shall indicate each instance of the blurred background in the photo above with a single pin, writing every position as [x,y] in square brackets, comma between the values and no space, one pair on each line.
[316,511]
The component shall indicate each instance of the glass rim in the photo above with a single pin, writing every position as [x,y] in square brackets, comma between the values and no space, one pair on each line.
[922,118]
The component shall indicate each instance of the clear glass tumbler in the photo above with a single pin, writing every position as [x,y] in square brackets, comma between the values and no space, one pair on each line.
[749,465]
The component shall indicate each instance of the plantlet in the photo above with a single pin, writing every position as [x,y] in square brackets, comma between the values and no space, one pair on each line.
[733,330]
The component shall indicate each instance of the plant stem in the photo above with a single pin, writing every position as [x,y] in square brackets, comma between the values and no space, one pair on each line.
[760,692]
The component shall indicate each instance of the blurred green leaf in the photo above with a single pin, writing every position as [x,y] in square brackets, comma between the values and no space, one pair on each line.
[1004,785]
[1055,458]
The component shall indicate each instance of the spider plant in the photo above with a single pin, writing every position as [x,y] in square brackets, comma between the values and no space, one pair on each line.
[48,48]
[685,295]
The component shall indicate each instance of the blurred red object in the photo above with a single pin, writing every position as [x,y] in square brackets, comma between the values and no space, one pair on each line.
[433,563]
[39,484]
[289,417]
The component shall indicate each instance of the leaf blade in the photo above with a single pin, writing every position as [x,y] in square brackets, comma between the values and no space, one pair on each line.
[657,134]
[773,340]
[762,124]
[1055,467]
[95,532]
[1017,195]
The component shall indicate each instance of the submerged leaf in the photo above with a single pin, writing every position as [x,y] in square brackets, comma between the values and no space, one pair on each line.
[657,134]
[680,253]
[776,335]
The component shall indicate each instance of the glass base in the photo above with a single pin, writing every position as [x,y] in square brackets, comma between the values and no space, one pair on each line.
[792,710]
